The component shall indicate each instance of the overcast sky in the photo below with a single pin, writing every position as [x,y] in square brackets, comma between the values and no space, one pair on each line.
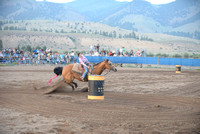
[151,1]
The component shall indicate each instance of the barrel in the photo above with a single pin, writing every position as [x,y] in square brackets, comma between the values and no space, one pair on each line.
[95,87]
[178,68]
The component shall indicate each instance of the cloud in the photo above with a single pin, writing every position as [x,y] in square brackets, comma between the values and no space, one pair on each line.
[124,0]
[158,2]
[58,1]
[151,1]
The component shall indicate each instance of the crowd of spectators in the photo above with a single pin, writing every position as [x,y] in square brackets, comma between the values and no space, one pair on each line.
[40,56]
[35,57]
[95,51]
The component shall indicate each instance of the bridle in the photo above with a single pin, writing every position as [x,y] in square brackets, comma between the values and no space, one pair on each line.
[92,69]
[111,67]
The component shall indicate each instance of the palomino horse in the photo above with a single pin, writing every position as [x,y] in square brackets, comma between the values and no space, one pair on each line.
[69,76]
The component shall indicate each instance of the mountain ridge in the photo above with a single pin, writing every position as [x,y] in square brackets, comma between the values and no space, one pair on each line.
[138,15]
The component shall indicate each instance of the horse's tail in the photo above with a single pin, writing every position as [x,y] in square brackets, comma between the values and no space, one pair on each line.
[58,70]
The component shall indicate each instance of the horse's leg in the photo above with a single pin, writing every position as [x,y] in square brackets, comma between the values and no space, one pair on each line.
[69,80]
[68,76]
[71,85]
[75,84]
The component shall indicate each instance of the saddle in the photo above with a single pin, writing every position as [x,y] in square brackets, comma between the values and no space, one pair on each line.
[78,68]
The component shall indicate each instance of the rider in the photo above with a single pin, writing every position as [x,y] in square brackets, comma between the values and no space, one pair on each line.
[84,61]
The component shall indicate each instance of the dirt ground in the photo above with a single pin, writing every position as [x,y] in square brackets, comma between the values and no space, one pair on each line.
[137,101]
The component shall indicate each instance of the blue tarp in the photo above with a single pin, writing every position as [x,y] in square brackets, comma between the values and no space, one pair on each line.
[123,60]
[145,60]
[179,61]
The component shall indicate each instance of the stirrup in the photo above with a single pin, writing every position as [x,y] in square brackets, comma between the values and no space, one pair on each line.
[82,78]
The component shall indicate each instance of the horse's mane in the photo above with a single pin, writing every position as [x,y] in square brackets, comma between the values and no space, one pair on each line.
[95,64]
[99,63]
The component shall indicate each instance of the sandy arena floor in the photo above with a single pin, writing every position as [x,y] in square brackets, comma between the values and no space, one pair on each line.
[137,100]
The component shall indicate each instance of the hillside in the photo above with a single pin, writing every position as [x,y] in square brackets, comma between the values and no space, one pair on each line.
[180,18]
[30,10]
[67,36]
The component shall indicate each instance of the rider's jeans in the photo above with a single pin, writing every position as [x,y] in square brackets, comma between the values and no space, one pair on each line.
[86,70]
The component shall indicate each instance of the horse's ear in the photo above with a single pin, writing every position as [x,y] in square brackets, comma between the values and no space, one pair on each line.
[106,60]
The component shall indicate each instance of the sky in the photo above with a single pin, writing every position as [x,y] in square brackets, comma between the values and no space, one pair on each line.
[158,2]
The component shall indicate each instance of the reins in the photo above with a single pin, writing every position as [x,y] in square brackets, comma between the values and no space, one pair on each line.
[107,72]
[91,70]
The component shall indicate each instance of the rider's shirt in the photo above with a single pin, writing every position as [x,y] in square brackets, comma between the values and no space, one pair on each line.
[83,60]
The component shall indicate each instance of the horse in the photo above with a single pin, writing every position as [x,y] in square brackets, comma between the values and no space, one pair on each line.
[69,76]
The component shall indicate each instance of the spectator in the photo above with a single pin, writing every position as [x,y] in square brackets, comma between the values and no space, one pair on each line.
[137,53]
[131,52]
[98,48]
[96,53]
[103,52]
[72,56]
[92,48]
[46,56]
[143,54]
[109,53]
[1,57]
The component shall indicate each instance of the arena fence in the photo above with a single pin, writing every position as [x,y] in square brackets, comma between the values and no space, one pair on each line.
[113,59]
[146,60]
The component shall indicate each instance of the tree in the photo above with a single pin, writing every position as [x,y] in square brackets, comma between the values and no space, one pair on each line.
[142,38]
[6,28]
[196,56]
[96,32]
[176,56]
[44,48]
[1,45]
[18,47]
[56,31]
[110,34]
[62,31]
[133,35]
[165,55]
[186,55]
[11,28]
[114,34]
[38,47]
[23,48]
[150,55]
[158,55]
[28,48]
[120,36]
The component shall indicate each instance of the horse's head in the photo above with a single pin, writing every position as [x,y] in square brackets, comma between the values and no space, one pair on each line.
[109,65]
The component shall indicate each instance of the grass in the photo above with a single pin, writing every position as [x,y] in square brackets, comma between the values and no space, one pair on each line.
[5,65]
[149,66]
[9,64]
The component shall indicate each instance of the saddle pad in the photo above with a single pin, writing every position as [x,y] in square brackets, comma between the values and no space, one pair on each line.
[77,68]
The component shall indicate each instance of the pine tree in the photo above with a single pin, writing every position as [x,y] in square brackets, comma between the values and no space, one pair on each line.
[1,45]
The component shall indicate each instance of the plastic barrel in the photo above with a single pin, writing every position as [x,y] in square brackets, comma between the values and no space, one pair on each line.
[178,68]
[95,87]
